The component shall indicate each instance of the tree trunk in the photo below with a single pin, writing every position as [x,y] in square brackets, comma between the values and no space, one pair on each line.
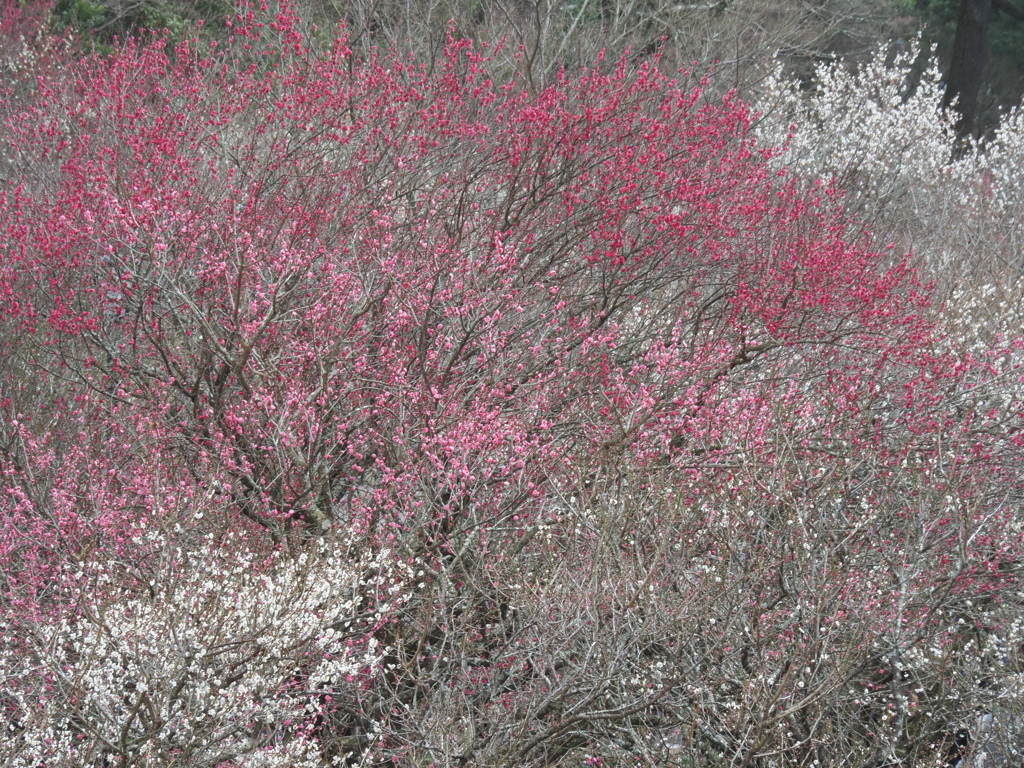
[968,62]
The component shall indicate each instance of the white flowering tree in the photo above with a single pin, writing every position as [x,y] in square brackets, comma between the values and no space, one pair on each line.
[880,133]
[224,657]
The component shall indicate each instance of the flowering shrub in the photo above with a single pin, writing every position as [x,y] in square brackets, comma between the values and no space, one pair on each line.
[874,130]
[222,658]
[880,133]
[634,446]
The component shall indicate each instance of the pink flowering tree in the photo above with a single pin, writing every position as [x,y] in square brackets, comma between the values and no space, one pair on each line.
[361,411]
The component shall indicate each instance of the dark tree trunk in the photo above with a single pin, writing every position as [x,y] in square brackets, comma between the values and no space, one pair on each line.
[968,62]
